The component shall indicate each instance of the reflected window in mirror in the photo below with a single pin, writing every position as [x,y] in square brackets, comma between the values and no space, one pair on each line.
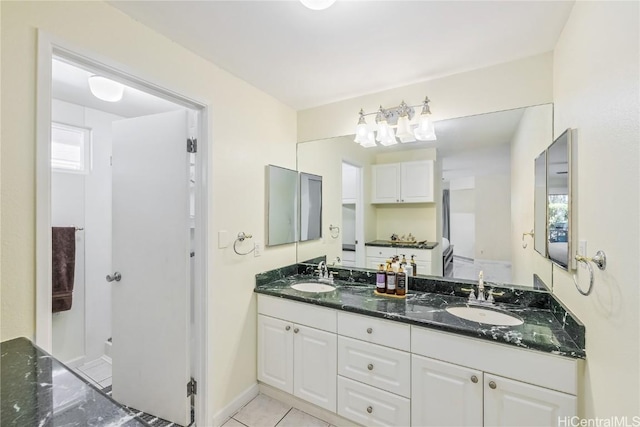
[310,207]
[559,200]
[282,209]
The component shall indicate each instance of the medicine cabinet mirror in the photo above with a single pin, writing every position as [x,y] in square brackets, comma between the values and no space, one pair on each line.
[540,205]
[310,207]
[282,209]
[559,200]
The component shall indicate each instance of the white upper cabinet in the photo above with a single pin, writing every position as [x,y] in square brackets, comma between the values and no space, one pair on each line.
[408,182]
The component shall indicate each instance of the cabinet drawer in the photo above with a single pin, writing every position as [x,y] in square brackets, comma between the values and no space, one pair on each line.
[297,312]
[554,372]
[370,406]
[381,252]
[420,255]
[375,365]
[376,331]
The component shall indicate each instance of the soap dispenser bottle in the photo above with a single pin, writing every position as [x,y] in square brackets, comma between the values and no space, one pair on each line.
[401,282]
[391,280]
[381,280]
[414,266]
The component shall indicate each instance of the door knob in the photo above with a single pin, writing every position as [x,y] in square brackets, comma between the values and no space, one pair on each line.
[116,276]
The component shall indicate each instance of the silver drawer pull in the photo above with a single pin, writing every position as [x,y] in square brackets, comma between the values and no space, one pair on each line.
[116,276]
[370,366]
[296,330]
[369,409]
[474,379]
[287,328]
[492,384]
[369,330]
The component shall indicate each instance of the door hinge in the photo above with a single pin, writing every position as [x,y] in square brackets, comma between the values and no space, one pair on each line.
[192,387]
[192,145]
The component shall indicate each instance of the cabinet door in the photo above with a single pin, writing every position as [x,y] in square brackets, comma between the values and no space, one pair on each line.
[416,182]
[315,366]
[443,394]
[514,403]
[275,353]
[386,183]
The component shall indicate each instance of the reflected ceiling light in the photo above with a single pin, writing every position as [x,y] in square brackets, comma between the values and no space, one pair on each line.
[317,4]
[400,117]
[106,89]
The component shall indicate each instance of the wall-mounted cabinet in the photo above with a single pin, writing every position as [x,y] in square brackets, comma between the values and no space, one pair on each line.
[407,182]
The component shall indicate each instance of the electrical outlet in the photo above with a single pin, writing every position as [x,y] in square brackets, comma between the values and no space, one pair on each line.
[257,248]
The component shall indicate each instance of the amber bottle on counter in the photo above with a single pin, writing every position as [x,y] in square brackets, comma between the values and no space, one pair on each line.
[381,280]
[414,266]
[391,280]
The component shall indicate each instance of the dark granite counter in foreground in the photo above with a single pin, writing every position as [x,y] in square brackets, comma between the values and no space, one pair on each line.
[391,244]
[37,390]
[548,327]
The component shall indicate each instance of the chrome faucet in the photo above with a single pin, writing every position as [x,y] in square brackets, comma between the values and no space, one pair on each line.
[481,287]
[323,270]
[481,296]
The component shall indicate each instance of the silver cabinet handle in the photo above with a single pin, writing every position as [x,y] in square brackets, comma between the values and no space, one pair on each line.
[287,328]
[369,409]
[370,366]
[296,330]
[116,276]
[474,379]
[369,330]
[492,385]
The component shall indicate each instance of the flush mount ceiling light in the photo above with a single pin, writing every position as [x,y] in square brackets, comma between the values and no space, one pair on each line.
[400,117]
[106,89]
[317,4]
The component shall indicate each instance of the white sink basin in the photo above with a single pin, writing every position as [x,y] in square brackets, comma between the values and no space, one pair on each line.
[485,315]
[313,287]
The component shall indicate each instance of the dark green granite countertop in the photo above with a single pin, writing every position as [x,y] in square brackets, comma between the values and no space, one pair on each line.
[391,244]
[547,326]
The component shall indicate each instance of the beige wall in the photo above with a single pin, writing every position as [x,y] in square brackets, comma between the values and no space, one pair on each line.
[596,90]
[493,217]
[501,87]
[533,136]
[239,153]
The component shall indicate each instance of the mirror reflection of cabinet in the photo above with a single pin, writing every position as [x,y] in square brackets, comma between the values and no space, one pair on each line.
[559,200]
[282,209]
[407,182]
[540,205]
[310,207]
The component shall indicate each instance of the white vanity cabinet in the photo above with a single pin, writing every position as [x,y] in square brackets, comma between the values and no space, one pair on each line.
[407,182]
[474,389]
[294,357]
[377,255]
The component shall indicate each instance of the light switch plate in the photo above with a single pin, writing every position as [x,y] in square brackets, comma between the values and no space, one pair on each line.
[257,248]
[223,239]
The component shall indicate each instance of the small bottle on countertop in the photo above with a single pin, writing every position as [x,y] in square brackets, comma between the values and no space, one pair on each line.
[401,282]
[414,266]
[381,280]
[391,280]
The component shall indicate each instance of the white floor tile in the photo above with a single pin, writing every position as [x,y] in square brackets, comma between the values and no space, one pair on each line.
[233,423]
[99,373]
[262,411]
[297,418]
[91,364]
[105,383]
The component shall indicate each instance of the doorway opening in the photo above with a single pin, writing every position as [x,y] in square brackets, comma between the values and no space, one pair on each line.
[352,217]
[127,179]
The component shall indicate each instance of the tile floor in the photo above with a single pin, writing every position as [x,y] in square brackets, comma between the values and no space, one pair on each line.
[264,411]
[98,372]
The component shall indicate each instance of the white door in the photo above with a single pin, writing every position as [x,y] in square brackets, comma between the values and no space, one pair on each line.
[315,366]
[514,404]
[443,394]
[275,353]
[386,183]
[150,309]
[416,182]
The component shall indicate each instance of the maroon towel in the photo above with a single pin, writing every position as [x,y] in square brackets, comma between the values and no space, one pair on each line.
[63,245]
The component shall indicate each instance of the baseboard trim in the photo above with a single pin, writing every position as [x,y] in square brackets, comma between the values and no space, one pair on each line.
[304,406]
[234,406]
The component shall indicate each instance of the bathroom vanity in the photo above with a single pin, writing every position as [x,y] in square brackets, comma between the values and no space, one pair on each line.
[385,361]
[379,251]
[38,390]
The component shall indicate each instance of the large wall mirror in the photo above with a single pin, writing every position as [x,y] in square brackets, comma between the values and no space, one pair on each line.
[559,200]
[486,165]
[282,205]
[540,205]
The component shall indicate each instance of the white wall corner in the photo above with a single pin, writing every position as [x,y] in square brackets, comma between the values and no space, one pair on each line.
[234,406]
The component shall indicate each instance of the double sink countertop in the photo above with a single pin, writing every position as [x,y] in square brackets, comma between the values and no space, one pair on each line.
[548,326]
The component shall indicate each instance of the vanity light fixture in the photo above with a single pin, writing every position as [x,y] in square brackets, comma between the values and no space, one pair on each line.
[317,4]
[106,89]
[399,117]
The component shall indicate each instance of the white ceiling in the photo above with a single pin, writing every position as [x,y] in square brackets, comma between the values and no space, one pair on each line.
[308,58]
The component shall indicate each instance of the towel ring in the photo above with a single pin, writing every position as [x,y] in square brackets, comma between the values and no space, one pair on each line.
[524,244]
[599,259]
[241,238]
[333,228]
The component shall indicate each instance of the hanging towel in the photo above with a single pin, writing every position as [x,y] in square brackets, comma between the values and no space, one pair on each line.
[63,247]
